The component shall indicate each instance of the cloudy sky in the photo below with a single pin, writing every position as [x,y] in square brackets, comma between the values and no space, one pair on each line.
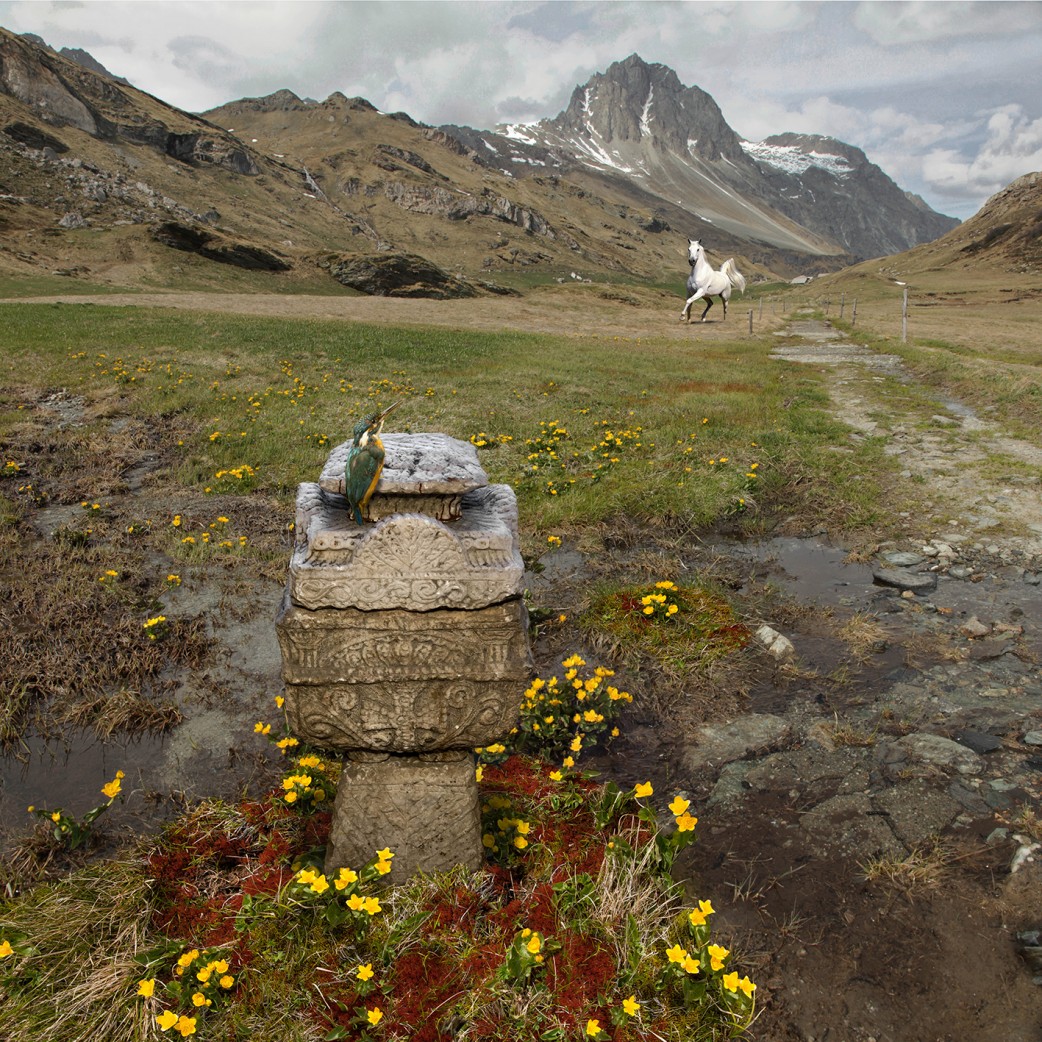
[946,97]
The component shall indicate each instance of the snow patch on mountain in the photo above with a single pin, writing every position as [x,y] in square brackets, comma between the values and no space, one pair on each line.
[792,160]
[645,116]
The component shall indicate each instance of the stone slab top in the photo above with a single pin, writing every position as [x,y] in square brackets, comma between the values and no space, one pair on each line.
[415,464]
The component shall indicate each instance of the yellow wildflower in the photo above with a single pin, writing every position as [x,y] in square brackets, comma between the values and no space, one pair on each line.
[366,972]
[186,1025]
[371,905]
[679,805]
[747,986]
[630,1006]
[374,1015]
[643,789]
[717,954]
[730,981]
[167,1019]
[145,988]
[593,1027]
[676,954]
[227,981]
[686,823]
[535,943]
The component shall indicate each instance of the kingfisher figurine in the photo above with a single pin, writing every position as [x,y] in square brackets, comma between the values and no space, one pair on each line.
[365,460]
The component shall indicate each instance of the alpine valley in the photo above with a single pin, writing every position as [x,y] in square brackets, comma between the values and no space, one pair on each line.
[109,185]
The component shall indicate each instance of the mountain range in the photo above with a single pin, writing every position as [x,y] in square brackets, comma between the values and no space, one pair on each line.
[105,182]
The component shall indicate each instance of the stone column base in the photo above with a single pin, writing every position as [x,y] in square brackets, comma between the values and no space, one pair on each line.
[424,808]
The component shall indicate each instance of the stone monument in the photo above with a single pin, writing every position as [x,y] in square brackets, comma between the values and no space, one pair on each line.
[404,645]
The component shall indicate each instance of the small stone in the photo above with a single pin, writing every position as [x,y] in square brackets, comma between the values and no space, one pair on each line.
[904,580]
[960,571]
[1032,738]
[988,649]
[903,558]
[978,741]
[937,751]
[974,628]
[777,645]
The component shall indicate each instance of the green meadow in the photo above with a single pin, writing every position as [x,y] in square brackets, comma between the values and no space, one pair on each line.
[648,431]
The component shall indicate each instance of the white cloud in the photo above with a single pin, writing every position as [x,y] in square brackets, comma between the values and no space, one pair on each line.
[931,21]
[1013,147]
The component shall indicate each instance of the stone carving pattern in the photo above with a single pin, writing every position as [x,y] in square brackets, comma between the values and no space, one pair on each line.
[411,717]
[427,813]
[329,655]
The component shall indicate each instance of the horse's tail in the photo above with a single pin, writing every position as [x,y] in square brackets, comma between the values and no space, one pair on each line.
[734,276]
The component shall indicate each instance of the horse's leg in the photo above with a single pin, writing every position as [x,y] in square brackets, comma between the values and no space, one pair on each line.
[724,299]
[685,314]
[709,304]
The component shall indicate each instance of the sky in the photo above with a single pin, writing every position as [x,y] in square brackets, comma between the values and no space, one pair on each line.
[945,96]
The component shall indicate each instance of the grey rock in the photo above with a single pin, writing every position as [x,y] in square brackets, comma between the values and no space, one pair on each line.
[934,750]
[1032,738]
[731,787]
[917,811]
[904,580]
[747,736]
[989,649]
[902,558]
[978,741]
[848,826]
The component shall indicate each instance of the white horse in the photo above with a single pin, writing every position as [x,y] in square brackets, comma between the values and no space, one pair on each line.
[705,282]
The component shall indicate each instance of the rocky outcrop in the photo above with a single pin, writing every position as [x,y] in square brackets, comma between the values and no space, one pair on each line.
[214,247]
[64,92]
[458,206]
[397,275]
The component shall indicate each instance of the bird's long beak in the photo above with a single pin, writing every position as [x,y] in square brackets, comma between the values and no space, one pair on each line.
[387,412]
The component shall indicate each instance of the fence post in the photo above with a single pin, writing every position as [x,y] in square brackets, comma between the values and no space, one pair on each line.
[750,321]
[853,313]
[904,318]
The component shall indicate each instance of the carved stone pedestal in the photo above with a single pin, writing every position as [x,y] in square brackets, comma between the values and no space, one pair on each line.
[404,645]
[424,808]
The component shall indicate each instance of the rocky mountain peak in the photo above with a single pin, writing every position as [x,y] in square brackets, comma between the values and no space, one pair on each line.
[637,101]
